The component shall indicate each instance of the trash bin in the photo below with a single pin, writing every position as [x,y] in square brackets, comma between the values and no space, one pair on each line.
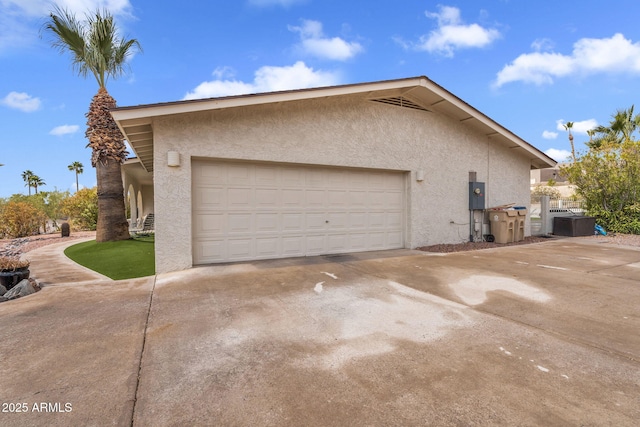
[521,218]
[503,223]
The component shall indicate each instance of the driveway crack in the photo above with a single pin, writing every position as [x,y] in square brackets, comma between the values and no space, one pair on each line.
[144,341]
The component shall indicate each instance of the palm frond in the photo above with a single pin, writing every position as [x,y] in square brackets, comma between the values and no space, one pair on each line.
[95,45]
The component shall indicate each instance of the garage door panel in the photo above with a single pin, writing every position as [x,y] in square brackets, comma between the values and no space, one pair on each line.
[338,199]
[315,198]
[240,223]
[358,199]
[239,197]
[315,245]
[357,220]
[241,174]
[292,177]
[394,219]
[376,240]
[211,251]
[268,222]
[377,199]
[244,210]
[293,222]
[267,176]
[338,220]
[210,198]
[292,198]
[209,224]
[212,173]
[337,242]
[357,241]
[393,198]
[240,248]
[267,198]
[376,219]
[394,238]
[315,178]
[316,221]
[267,247]
[393,181]
[293,245]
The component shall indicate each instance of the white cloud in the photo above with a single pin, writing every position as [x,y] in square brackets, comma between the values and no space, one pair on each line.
[73,186]
[452,34]
[542,45]
[21,101]
[558,155]
[578,127]
[549,135]
[313,42]
[590,56]
[64,130]
[267,79]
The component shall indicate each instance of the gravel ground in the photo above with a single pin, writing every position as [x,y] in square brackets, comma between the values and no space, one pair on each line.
[22,245]
[617,239]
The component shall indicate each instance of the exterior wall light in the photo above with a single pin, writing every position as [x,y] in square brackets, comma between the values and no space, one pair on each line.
[173,158]
[420,175]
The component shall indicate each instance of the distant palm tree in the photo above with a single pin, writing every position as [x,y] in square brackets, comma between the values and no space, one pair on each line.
[77,167]
[568,127]
[97,49]
[27,177]
[36,182]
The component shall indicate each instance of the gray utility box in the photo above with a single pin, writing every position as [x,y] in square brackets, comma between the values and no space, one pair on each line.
[574,226]
[476,196]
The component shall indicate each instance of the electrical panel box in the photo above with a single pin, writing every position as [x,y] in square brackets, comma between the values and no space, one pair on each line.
[476,196]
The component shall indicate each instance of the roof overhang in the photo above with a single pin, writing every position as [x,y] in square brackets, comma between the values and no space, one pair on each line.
[136,122]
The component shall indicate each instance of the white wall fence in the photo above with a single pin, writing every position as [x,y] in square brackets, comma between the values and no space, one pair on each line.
[548,209]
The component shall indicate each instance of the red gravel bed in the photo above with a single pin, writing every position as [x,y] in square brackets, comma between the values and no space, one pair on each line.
[617,239]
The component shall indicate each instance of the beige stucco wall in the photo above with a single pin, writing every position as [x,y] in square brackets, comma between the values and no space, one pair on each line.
[340,131]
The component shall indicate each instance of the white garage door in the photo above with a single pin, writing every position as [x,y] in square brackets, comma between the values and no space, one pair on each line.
[246,211]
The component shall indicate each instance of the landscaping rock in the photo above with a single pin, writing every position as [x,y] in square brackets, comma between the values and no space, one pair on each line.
[24,288]
[3,290]
[3,299]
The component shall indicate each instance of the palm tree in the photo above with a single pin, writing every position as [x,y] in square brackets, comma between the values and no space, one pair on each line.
[36,182]
[621,128]
[568,127]
[27,177]
[77,167]
[97,49]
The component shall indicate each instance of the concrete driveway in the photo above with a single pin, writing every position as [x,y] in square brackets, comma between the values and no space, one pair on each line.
[543,334]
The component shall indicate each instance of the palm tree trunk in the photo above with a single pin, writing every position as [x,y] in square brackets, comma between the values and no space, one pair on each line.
[112,224]
[109,151]
[77,187]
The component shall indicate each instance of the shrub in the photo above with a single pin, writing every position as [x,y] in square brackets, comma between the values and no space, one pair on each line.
[82,209]
[20,219]
[608,179]
[12,264]
[543,190]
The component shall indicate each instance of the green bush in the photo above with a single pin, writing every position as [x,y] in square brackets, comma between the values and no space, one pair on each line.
[82,209]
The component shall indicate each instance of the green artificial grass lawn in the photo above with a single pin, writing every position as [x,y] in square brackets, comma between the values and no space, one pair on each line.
[124,259]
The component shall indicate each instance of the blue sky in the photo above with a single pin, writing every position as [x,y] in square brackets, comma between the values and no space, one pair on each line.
[530,66]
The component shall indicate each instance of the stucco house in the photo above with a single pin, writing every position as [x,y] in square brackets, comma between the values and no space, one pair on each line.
[339,169]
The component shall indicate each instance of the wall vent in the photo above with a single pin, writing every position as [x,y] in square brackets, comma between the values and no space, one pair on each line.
[400,101]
